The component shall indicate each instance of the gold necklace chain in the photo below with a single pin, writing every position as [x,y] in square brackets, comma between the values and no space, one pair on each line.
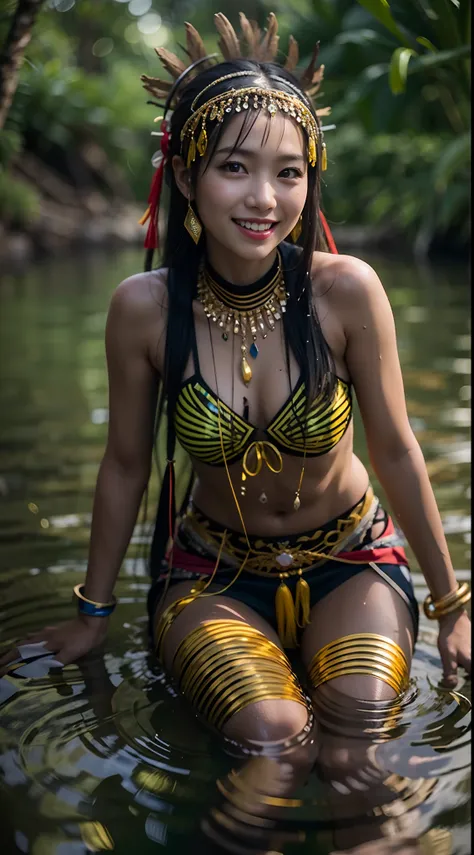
[246,315]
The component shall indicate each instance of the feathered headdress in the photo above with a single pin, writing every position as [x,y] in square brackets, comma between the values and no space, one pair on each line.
[253,44]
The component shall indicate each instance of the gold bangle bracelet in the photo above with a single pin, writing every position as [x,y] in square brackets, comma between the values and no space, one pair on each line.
[435,614]
[80,596]
[451,596]
[451,602]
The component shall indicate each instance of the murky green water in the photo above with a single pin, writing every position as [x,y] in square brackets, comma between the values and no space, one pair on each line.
[104,755]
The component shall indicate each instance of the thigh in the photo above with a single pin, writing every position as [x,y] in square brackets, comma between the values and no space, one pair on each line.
[281,716]
[202,609]
[364,603]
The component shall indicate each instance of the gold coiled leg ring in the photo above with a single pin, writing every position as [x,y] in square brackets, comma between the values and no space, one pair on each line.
[361,653]
[222,666]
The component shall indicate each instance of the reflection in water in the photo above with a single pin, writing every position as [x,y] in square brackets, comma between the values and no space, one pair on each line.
[104,755]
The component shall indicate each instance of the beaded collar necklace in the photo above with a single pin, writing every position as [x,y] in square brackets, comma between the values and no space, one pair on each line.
[247,310]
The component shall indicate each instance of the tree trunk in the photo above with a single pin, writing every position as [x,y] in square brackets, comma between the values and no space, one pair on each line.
[11,55]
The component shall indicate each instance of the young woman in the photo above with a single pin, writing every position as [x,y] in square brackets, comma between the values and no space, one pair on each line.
[259,338]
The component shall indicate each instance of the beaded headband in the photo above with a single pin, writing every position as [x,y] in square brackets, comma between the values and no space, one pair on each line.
[236,100]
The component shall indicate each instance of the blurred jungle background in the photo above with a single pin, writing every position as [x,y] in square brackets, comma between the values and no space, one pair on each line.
[75,144]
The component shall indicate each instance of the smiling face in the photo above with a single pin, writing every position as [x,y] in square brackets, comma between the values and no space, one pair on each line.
[250,197]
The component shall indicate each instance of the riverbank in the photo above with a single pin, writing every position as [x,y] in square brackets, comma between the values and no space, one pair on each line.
[60,230]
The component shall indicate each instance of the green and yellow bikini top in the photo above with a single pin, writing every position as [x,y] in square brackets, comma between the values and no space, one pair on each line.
[198,431]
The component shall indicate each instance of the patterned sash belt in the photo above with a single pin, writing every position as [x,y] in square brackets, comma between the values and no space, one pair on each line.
[281,559]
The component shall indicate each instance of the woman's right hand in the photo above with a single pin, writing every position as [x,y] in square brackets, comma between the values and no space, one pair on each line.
[68,641]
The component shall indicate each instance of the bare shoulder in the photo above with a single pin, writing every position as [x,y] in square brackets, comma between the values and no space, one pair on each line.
[347,284]
[138,311]
[346,275]
[141,293]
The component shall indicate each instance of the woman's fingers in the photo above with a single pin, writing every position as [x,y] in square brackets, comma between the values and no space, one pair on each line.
[450,667]
[39,634]
[465,661]
[66,655]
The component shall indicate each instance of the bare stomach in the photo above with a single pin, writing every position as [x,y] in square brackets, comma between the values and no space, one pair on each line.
[268,504]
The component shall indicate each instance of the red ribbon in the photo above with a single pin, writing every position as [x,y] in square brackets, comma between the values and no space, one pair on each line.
[327,232]
[152,237]
[381,555]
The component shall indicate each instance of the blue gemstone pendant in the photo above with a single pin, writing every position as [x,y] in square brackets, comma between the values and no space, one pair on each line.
[253,350]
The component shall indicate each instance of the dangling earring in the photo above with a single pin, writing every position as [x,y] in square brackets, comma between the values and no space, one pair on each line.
[296,231]
[192,224]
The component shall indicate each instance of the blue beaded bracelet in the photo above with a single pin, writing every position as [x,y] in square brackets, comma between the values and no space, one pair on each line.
[90,607]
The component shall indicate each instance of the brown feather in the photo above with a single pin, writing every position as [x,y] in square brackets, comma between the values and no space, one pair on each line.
[306,78]
[318,77]
[163,85]
[257,31]
[269,44]
[170,61]
[293,55]
[228,43]
[159,92]
[323,111]
[248,34]
[194,43]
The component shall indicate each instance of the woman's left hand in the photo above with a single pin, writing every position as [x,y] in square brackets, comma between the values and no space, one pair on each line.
[454,644]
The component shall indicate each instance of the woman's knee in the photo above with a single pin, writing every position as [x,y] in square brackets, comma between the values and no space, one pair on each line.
[231,667]
[267,721]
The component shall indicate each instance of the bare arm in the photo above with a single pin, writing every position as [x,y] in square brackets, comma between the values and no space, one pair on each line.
[396,456]
[374,367]
[125,468]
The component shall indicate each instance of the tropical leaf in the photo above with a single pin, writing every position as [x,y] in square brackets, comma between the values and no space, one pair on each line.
[380,9]
[441,57]
[399,69]
[422,40]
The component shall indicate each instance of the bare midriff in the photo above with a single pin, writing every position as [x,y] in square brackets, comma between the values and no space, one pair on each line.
[332,484]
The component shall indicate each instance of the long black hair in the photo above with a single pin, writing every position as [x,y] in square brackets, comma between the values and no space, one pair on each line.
[182,257]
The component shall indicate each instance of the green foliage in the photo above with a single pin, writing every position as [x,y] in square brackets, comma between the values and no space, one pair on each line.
[10,145]
[397,75]
[410,183]
[446,27]
[19,203]
[399,69]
